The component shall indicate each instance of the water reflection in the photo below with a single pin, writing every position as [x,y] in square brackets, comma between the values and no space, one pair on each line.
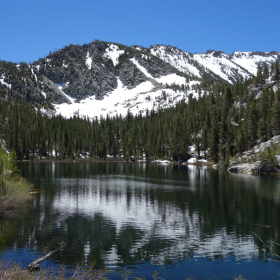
[117,214]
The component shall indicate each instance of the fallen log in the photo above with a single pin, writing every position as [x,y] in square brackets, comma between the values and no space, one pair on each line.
[34,266]
[267,226]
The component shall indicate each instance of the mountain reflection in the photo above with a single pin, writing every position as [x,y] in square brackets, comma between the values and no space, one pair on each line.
[112,214]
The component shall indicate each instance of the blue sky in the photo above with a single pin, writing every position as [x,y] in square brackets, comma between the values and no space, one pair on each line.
[30,29]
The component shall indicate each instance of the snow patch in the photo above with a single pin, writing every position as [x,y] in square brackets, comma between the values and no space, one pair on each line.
[88,61]
[32,71]
[192,160]
[137,48]
[113,52]
[172,79]
[141,68]
[161,161]
[4,83]
[72,100]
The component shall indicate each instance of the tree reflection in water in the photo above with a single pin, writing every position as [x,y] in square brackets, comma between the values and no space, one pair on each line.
[119,214]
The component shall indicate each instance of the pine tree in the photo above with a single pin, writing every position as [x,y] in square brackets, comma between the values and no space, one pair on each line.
[251,121]
[275,113]
[276,71]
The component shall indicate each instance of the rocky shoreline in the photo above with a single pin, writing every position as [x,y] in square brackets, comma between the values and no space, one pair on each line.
[263,158]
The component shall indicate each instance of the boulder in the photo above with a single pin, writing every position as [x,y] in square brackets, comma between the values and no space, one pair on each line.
[250,168]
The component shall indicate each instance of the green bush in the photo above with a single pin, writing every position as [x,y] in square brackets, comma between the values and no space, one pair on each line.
[18,189]
[268,157]
[8,167]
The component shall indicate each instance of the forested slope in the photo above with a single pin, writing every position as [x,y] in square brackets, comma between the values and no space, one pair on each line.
[227,119]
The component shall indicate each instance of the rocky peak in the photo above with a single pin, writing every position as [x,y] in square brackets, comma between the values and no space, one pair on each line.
[99,68]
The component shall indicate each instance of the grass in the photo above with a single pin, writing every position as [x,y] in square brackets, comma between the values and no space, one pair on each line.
[17,272]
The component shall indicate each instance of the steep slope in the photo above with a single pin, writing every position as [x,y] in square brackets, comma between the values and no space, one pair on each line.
[108,78]
[18,81]
[94,69]
[181,60]
[220,64]
[215,64]
[77,75]
[103,78]
[250,60]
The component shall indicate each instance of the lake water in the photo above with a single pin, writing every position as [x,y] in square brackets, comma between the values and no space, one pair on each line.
[182,221]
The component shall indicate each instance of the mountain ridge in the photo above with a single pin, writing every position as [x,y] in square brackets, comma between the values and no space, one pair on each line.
[134,78]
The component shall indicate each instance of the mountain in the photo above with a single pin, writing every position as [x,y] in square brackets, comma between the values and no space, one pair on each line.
[215,64]
[103,78]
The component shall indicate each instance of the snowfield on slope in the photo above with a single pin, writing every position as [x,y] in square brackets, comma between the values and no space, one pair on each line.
[172,79]
[119,101]
[221,66]
[250,62]
[179,60]
[224,65]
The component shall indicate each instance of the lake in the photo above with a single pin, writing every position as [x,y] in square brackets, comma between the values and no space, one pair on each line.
[182,221]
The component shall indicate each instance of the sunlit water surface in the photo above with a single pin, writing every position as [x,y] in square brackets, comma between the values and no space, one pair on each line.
[182,221]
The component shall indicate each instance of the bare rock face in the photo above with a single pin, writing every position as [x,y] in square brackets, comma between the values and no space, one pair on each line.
[130,75]
[81,70]
[94,69]
[154,65]
[53,93]
[20,83]
[255,89]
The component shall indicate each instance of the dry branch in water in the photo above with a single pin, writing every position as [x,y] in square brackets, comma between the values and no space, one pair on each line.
[267,245]
[35,265]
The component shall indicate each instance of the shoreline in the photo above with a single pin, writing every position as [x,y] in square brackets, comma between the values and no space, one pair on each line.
[10,210]
[114,160]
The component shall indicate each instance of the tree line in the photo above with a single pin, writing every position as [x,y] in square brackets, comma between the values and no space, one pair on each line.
[225,121]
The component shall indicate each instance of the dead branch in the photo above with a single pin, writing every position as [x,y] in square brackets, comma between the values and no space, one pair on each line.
[35,265]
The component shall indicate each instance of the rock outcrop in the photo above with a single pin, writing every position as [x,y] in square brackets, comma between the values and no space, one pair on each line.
[249,161]
[53,94]
[252,168]
[20,82]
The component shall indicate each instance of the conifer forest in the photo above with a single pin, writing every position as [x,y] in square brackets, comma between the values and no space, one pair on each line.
[224,121]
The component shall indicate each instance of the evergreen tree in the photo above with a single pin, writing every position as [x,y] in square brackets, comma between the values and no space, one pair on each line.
[275,116]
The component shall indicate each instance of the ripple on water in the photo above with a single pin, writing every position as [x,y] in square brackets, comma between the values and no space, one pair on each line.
[149,217]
